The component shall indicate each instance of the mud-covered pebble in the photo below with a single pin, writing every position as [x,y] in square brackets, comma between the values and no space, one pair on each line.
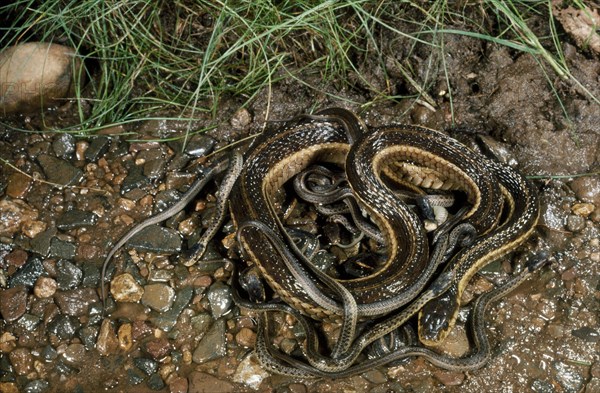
[135,376]
[148,366]
[198,381]
[107,341]
[59,171]
[449,378]
[76,218]
[375,376]
[587,333]
[134,180]
[125,337]
[64,326]
[157,348]
[13,303]
[212,345]
[158,297]
[156,239]
[587,189]
[14,213]
[21,360]
[583,209]
[219,297]
[241,118]
[32,228]
[246,337]
[68,275]
[75,354]
[18,185]
[569,377]
[178,385]
[201,323]
[45,287]
[575,223]
[37,386]
[155,382]
[249,372]
[98,147]
[125,288]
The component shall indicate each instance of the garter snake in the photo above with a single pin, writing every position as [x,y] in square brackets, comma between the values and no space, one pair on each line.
[438,316]
[480,354]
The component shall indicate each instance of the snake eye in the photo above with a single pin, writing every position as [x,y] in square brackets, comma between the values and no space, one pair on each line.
[435,318]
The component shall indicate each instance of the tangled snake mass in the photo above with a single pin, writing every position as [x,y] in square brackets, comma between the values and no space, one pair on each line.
[375,230]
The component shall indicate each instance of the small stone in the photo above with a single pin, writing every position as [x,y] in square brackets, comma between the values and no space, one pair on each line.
[587,189]
[8,387]
[201,323]
[457,342]
[64,326]
[200,382]
[124,288]
[88,336]
[41,243]
[18,185]
[148,366]
[16,258]
[74,354]
[375,376]
[13,303]
[583,209]
[14,214]
[45,287]
[154,168]
[59,171]
[134,180]
[569,377]
[7,343]
[220,299]
[297,388]
[68,275]
[246,338]
[157,348]
[159,297]
[156,239]
[135,377]
[178,385]
[37,386]
[107,342]
[575,223]
[199,145]
[61,249]
[97,148]
[586,333]
[28,274]
[167,320]
[32,228]
[250,372]
[21,360]
[125,337]
[212,345]
[63,145]
[241,118]
[449,378]
[75,218]
[29,322]
[155,382]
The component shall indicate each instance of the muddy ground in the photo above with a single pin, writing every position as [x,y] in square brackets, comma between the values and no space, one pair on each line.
[53,337]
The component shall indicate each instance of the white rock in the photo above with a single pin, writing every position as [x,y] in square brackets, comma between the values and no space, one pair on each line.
[35,76]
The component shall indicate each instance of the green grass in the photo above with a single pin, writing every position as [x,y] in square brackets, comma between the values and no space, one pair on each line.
[179,59]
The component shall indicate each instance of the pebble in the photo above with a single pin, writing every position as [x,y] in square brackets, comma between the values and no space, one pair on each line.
[178,385]
[68,275]
[575,223]
[167,320]
[75,354]
[37,386]
[249,372]
[375,376]
[75,218]
[18,185]
[212,345]
[21,361]
[220,299]
[148,366]
[134,180]
[135,377]
[246,337]
[153,169]
[107,342]
[7,343]
[158,297]
[457,342]
[8,387]
[125,337]
[16,258]
[59,171]
[201,323]
[64,326]
[583,209]
[200,382]
[124,288]
[569,377]
[241,118]
[39,75]
[14,214]
[29,322]
[97,148]
[156,239]
[88,336]
[13,303]
[199,145]
[587,189]
[41,243]
[62,249]
[587,334]
[157,348]
[155,382]
[28,274]
[63,145]
[449,378]
[32,228]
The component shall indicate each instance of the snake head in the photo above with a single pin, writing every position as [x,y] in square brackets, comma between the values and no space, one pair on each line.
[437,318]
